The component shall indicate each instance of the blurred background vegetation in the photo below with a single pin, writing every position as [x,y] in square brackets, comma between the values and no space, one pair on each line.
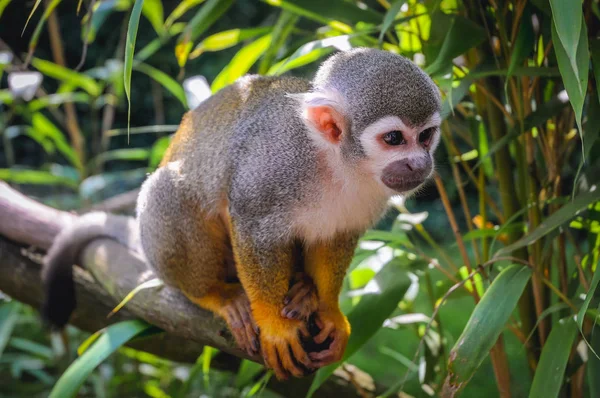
[498,255]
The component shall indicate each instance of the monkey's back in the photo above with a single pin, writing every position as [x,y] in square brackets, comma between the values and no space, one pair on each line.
[221,134]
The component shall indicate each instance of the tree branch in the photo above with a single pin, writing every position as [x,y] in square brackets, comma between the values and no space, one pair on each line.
[110,272]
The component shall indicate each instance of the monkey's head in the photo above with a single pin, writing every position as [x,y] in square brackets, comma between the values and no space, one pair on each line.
[378,113]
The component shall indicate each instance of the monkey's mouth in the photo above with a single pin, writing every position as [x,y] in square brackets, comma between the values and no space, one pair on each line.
[401,184]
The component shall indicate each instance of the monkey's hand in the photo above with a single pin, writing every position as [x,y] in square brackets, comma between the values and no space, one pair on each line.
[281,342]
[301,300]
[239,318]
[332,324]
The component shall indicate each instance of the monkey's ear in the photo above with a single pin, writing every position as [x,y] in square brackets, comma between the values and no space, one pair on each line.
[323,113]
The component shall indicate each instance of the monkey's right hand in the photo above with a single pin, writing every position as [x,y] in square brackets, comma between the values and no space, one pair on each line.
[281,342]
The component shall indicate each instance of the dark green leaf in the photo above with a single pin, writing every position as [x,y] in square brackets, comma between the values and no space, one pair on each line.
[389,18]
[567,18]
[68,75]
[593,367]
[9,313]
[165,80]
[204,19]
[331,10]
[115,336]
[38,29]
[573,66]
[369,314]
[132,29]
[555,220]
[485,325]
[550,371]
[523,44]
[595,50]
[461,37]
[3,4]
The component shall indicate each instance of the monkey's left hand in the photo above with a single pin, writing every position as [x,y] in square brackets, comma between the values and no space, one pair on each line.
[332,324]
[301,300]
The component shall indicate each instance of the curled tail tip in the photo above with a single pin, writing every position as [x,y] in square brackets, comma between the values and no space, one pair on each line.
[59,293]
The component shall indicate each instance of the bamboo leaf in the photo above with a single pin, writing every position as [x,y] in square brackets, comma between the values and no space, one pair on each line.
[593,367]
[281,31]
[484,326]
[331,10]
[153,11]
[227,39]
[584,307]
[462,36]
[390,285]
[35,6]
[9,313]
[389,18]
[4,4]
[567,19]
[241,63]
[573,68]
[114,337]
[42,125]
[183,7]
[61,73]
[550,371]
[38,29]
[35,177]
[555,220]
[146,285]
[131,154]
[595,50]
[523,44]
[165,80]
[204,19]
[132,29]
[158,151]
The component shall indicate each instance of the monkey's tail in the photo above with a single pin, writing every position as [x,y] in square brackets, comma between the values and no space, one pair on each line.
[57,274]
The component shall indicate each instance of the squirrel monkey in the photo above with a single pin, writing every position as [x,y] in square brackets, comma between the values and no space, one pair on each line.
[267,171]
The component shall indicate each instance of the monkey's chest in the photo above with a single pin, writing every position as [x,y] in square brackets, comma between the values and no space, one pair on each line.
[335,210]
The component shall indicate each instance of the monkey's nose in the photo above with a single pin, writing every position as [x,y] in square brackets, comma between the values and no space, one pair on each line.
[406,174]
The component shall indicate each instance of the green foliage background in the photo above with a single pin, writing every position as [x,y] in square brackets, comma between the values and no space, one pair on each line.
[491,270]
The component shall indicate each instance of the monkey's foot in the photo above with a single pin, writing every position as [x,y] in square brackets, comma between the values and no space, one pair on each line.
[334,325]
[239,318]
[301,300]
[281,343]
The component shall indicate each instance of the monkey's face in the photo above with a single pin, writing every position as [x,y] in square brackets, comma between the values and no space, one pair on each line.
[399,155]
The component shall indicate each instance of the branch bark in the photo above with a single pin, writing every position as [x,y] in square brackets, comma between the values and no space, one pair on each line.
[110,272]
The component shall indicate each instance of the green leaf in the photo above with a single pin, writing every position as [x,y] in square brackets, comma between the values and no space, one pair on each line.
[241,63]
[485,325]
[331,10]
[523,44]
[35,177]
[281,31]
[146,285]
[38,29]
[588,298]
[153,11]
[369,314]
[204,19]
[227,39]
[58,99]
[390,17]
[63,74]
[165,80]
[3,5]
[9,314]
[134,22]
[158,151]
[102,9]
[544,112]
[595,50]
[152,47]
[567,17]
[593,367]
[42,125]
[183,7]
[310,52]
[573,67]
[461,37]
[134,154]
[550,371]
[555,220]
[31,347]
[35,6]
[114,337]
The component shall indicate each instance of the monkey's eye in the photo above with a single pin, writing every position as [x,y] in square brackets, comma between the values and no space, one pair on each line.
[425,136]
[394,138]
